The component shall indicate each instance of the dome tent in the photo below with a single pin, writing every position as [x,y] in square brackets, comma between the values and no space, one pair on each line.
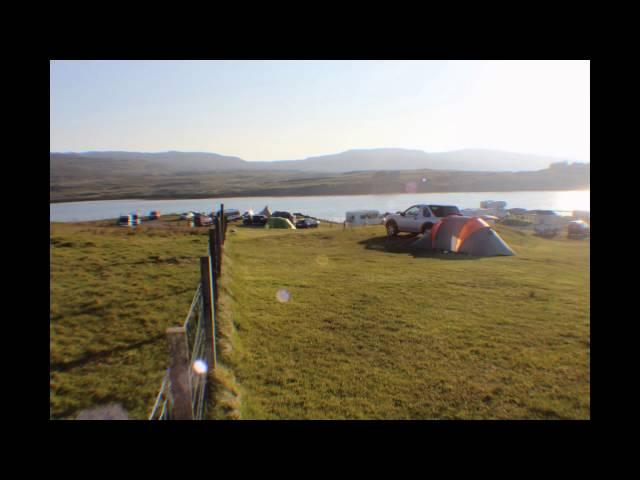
[278,222]
[469,235]
[265,211]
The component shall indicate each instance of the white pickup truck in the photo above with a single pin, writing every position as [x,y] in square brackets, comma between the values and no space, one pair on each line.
[418,218]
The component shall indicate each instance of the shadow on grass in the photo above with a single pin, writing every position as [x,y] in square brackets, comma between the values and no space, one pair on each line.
[402,244]
[95,356]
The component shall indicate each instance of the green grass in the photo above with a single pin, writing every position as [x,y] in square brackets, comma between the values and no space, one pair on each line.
[373,329]
[376,330]
[114,291]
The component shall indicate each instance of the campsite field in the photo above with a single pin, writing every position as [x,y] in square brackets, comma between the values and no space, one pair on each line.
[375,330]
[372,328]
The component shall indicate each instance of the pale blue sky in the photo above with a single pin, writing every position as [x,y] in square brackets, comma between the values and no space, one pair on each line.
[285,110]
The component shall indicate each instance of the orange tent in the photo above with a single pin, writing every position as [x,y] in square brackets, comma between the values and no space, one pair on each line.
[471,235]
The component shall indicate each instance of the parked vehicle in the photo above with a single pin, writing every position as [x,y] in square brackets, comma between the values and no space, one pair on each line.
[418,218]
[202,220]
[307,222]
[546,223]
[232,214]
[187,216]
[154,215]
[255,220]
[136,219]
[287,215]
[578,229]
[124,220]
[364,217]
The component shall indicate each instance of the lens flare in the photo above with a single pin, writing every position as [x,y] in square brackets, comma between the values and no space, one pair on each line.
[283,295]
[200,367]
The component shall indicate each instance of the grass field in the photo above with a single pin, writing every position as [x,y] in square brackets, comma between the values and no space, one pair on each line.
[372,329]
[113,293]
[376,330]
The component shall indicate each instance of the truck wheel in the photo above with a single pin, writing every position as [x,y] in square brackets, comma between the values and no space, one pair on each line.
[392,229]
[425,227]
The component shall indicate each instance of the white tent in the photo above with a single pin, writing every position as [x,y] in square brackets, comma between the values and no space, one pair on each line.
[265,211]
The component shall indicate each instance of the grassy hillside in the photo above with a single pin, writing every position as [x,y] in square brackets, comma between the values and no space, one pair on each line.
[75,184]
[373,329]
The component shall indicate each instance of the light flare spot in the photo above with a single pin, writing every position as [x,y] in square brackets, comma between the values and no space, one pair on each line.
[200,367]
[283,295]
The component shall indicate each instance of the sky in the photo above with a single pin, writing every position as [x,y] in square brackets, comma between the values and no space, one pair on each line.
[288,110]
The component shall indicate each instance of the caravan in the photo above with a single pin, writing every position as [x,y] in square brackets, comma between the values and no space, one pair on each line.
[364,217]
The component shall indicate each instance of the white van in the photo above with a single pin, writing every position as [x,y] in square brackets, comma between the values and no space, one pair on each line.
[364,217]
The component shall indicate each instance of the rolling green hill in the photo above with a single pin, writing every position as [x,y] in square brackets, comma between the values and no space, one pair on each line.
[78,179]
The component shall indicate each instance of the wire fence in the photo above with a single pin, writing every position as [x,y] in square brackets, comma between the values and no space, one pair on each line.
[196,338]
[162,408]
[195,352]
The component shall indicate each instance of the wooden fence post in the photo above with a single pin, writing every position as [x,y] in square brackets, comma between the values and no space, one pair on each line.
[222,222]
[179,374]
[208,287]
[213,245]
[218,246]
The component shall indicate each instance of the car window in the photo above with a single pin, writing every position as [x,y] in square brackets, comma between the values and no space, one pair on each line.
[412,211]
[426,212]
[442,211]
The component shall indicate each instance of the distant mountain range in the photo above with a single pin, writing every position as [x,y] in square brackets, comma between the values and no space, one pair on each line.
[349,161]
[170,175]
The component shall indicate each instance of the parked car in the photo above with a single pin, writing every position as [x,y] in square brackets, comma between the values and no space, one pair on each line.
[418,218]
[232,215]
[124,220]
[187,216]
[255,220]
[202,220]
[578,229]
[287,215]
[154,215]
[307,222]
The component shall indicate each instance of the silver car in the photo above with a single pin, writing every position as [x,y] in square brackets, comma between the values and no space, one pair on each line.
[418,218]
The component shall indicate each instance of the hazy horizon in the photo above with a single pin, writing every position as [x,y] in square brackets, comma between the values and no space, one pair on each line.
[315,155]
[292,110]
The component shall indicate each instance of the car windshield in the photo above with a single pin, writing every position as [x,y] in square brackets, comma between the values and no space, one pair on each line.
[443,210]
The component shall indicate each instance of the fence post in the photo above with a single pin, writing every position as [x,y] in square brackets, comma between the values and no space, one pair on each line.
[179,374]
[213,247]
[222,222]
[215,262]
[218,246]
[208,287]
